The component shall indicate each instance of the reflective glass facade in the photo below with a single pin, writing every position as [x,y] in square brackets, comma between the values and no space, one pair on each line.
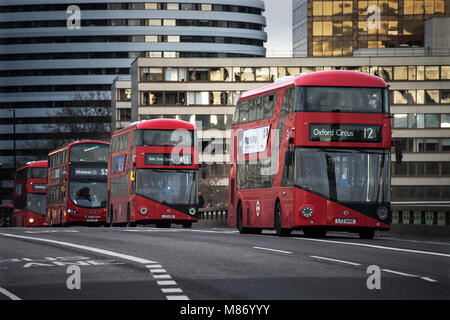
[337,28]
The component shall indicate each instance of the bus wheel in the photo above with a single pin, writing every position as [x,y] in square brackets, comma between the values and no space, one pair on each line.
[242,229]
[61,223]
[281,232]
[111,218]
[129,223]
[367,234]
[239,220]
[314,233]
[187,225]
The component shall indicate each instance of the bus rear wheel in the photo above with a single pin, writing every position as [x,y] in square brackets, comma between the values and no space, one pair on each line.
[281,232]
[242,229]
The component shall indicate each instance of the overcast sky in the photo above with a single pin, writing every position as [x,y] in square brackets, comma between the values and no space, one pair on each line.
[279,27]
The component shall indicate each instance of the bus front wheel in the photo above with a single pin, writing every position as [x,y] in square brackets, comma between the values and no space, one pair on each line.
[367,234]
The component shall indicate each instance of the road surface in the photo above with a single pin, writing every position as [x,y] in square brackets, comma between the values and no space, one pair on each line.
[217,264]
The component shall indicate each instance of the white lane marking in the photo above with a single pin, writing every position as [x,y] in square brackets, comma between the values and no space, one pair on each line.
[273,250]
[162,276]
[53,231]
[399,273]
[177,298]
[153,266]
[180,230]
[415,241]
[171,290]
[428,279]
[377,247]
[166,283]
[158,271]
[82,247]
[336,260]
[409,275]
[10,295]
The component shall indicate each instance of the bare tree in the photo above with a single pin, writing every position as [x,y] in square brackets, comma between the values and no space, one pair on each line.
[88,116]
[214,194]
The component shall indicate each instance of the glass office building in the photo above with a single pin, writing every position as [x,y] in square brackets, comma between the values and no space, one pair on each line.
[337,28]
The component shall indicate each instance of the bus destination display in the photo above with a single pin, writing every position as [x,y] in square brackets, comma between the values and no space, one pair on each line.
[168,159]
[341,132]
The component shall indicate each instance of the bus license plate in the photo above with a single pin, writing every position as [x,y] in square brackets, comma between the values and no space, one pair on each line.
[345,221]
[168,216]
[92,220]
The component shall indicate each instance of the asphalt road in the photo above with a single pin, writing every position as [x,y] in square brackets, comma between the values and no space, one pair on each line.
[216,264]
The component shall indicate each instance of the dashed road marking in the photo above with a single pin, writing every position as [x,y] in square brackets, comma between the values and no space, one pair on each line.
[377,247]
[336,260]
[273,250]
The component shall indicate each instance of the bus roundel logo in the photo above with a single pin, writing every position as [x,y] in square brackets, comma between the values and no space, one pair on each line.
[346,213]
[258,208]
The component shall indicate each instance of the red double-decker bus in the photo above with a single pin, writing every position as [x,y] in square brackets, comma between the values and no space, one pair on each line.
[312,152]
[153,174]
[76,189]
[29,195]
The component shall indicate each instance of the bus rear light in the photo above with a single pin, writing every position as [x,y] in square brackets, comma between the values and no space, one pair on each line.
[307,211]
[143,210]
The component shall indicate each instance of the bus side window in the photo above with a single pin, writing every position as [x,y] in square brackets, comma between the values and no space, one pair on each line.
[236,113]
[269,106]
[243,112]
[253,105]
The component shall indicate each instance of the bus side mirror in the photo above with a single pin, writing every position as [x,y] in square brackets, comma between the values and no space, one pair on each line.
[204,168]
[288,158]
[398,151]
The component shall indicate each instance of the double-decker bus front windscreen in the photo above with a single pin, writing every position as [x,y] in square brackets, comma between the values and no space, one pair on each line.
[36,203]
[88,194]
[165,138]
[88,174]
[344,176]
[170,187]
[342,99]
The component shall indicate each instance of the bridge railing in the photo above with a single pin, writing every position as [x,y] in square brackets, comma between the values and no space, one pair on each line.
[217,213]
[436,213]
[432,213]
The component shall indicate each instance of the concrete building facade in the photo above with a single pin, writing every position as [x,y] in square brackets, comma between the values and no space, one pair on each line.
[207,91]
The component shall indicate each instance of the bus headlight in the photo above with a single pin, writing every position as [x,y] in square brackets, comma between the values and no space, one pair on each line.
[31,220]
[382,213]
[71,211]
[192,211]
[307,212]
[143,211]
